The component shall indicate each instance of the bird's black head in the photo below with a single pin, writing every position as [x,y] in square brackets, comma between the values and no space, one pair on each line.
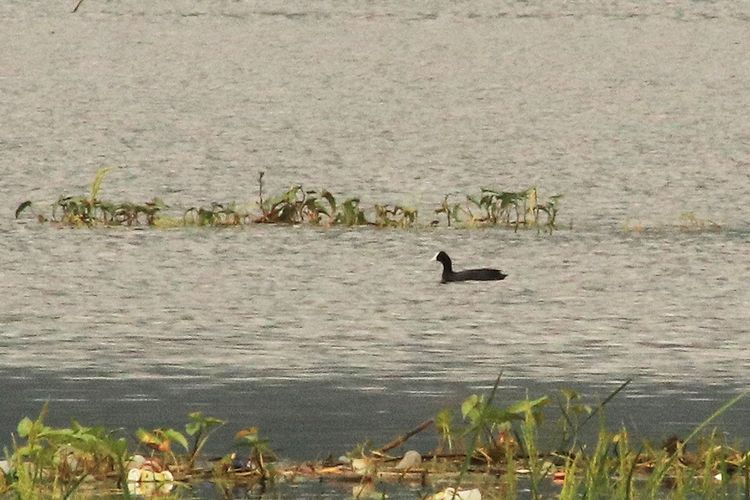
[443,258]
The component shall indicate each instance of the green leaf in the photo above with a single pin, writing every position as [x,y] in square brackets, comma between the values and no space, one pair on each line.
[248,437]
[177,437]
[146,437]
[118,447]
[471,406]
[331,200]
[525,406]
[98,179]
[570,394]
[498,416]
[25,426]
[444,419]
[192,428]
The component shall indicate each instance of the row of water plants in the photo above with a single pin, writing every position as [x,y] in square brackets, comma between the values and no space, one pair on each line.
[297,205]
[483,449]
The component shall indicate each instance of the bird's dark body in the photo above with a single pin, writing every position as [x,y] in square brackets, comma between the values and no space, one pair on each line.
[449,275]
[473,275]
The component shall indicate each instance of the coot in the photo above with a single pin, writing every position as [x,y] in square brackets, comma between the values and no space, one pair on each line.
[449,274]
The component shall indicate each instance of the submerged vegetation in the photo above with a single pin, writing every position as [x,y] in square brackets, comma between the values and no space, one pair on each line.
[688,222]
[297,205]
[483,449]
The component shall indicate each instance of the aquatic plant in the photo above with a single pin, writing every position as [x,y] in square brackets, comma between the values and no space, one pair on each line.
[493,448]
[58,460]
[395,216]
[689,221]
[498,206]
[297,205]
[258,450]
[508,208]
[218,214]
[160,440]
[200,428]
[349,213]
[551,209]
[504,440]
[89,210]
[451,211]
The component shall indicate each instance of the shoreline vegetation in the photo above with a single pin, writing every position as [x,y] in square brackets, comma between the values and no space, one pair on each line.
[483,450]
[490,207]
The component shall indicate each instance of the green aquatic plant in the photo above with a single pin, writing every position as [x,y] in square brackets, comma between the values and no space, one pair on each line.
[129,213]
[551,209]
[451,211]
[218,214]
[486,421]
[395,216]
[664,466]
[90,210]
[160,440]
[56,461]
[296,206]
[498,206]
[610,468]
[200,428]
[350,214]
[506,208]
[78,210]
[447,430]
[575,414]
[495,450]
[258,449]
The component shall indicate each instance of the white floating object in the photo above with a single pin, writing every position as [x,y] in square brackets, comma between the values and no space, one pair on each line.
[454,494]
[137,460]
[145,482]
[134,475]
[411,459]
[363,466]
[167,476]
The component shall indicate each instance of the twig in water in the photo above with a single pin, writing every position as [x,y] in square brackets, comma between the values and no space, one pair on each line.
[77,5]
[402,439]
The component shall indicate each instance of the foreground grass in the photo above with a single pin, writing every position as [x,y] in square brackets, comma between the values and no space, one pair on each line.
[297,205]
[483,449]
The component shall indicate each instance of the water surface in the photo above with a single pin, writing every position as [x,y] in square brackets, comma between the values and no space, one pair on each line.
[637,113]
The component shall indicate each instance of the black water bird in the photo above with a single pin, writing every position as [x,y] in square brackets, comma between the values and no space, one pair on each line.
[484,274]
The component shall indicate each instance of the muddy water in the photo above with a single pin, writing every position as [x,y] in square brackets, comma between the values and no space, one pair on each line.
[636,113]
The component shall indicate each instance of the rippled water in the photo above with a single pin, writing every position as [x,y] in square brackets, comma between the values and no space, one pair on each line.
[637,113]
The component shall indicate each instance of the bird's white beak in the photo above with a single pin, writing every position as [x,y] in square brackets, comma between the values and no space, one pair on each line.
[435,257]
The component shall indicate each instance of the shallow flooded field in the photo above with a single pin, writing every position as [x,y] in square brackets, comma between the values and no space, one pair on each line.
[636,114]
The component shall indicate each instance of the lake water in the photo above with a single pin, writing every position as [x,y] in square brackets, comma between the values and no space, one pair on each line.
[636,112]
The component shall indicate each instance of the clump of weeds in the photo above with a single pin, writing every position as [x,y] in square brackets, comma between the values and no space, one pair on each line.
[297,206]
